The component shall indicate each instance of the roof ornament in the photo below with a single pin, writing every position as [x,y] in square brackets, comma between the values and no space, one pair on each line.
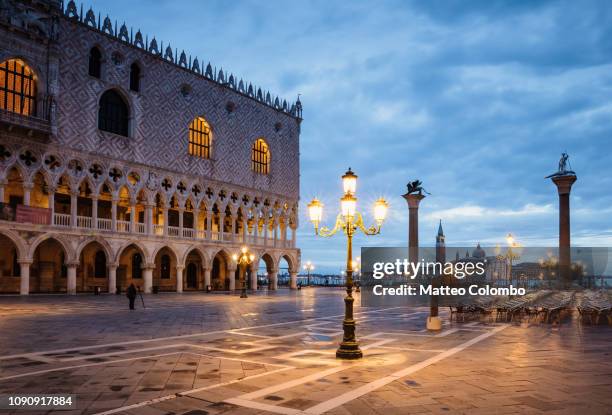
[220,76]
[153,47]
[232,81]
[241,86]
[183,60]
[250,91]
[107,26]
[259,94]
[138,41]
[123,33]
[168,55]
[276,103]
[71,10]
[268,99]
[209,71]
[195,66]
[90,19]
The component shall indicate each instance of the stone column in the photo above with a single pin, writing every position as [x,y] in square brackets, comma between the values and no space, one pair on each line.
[112,278]
[179,278]
[254,276]
[209,215]
[165,213]
[114,203]
[2,184]
[181,213]
[27,190]
[231,274]
[196,222]
[133,220]
[206,277]
[73,209]
[564,186]
[272,280]
[413,225]
[293,280]
[221,225]
[245,229]
[94,212]
[24,286]
[148,278]
[293,232]
[149,219]
[275,234]
[51,202]
[266,224]
[71,278]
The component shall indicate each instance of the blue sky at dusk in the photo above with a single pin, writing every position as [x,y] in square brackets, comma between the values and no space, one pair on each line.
[477,99]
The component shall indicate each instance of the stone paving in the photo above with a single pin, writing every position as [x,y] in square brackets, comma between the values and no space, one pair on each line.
[275,353]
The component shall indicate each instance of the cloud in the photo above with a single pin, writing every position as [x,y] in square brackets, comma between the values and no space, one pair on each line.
[471,212]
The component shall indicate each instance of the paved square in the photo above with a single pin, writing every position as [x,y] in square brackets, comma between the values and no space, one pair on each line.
[275,353]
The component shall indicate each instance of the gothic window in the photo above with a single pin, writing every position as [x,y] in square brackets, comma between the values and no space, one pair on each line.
[95,62]
[199,138]
[100,265]
[17,87]
[260,157]
[165,267]
[136,266]
[135,77]
[113,113]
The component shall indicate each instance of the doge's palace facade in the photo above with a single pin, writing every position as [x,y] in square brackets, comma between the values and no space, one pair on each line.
[124,160]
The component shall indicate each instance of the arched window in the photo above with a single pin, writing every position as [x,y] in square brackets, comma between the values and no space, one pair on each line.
[260,157]
[113,113]
[95,62]
[165,267]
[136,266]
[17,87]
[199,138]
[100,265]
[135,77]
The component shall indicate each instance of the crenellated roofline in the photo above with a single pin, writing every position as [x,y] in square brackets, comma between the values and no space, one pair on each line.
[168,55]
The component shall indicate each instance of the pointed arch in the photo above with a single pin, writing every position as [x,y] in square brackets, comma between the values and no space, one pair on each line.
[68,251]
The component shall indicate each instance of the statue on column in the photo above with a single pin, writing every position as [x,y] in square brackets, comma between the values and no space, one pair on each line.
[562,170]
[416,186]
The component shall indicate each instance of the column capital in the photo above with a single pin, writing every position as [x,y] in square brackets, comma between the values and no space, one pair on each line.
[26,261]
[72,264]
[413,199]
[564,183]
[180,267]
[148,265]
[113,265]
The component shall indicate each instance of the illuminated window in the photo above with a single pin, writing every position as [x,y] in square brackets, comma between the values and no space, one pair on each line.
[113,113]
[199,138]
[95,62]
[260,157]
[17,87]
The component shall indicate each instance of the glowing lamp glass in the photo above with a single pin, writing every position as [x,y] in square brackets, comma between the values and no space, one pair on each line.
[235,257]
[380,210]
[348,205]
[315,210]
[349,182]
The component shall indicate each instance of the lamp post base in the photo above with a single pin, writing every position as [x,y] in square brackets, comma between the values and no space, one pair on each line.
[349,350]
[434,323]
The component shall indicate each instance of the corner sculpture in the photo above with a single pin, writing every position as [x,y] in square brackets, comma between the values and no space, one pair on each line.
[416,186]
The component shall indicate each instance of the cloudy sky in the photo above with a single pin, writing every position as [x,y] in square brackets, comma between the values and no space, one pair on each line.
[477,99]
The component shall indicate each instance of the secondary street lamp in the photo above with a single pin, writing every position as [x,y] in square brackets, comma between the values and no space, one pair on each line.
[309,266]
[245,259]
[349,221]
[510,256]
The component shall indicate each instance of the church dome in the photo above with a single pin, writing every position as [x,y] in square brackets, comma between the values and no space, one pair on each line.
[479,252]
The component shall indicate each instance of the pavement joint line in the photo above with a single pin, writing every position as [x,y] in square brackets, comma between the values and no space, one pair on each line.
[410,349]
[109,362]
[263,406]
[369,387]
[156,339]
[295,382]
[189,392]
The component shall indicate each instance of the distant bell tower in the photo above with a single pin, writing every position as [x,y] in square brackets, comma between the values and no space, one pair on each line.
[440,245]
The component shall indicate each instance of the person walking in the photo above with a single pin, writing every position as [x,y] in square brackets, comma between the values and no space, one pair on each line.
[131,295]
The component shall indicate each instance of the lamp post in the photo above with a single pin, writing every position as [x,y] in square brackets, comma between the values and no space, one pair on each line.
[349,221]
[246,259]
[510,255]
[309,266]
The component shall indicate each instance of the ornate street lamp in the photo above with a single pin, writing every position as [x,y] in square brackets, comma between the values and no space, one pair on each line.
[349,221]
[309,266]
[245,259]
